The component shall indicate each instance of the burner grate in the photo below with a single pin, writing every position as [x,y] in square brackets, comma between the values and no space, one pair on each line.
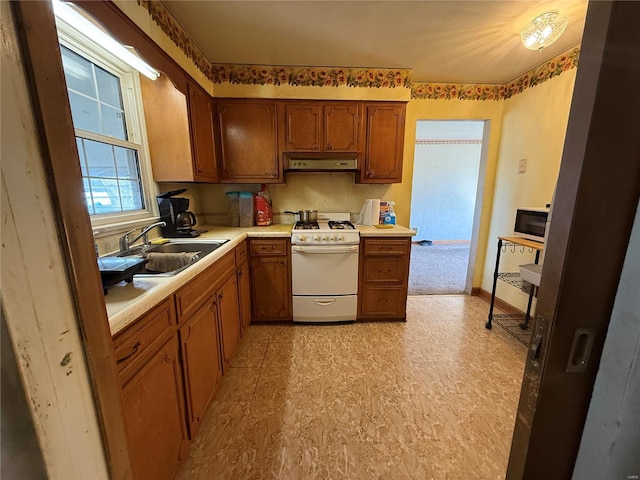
[341,225]
[306,226]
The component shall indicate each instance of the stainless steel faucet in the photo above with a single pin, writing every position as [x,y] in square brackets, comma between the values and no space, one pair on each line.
[125,243]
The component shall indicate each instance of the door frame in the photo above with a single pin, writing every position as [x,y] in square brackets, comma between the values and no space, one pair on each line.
[480,192]
[594,209]
[36,27]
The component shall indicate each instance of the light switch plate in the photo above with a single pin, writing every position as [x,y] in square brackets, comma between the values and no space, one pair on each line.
[522,165]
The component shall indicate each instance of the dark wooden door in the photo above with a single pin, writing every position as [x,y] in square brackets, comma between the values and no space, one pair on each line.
[229,318]
[342,128]
[595,202]
[271,288]
[248,136]
[201,361]
[154,416]
[201,122]
[244,294]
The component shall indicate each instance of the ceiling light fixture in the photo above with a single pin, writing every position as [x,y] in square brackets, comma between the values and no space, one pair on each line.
[78,21]
[543,30]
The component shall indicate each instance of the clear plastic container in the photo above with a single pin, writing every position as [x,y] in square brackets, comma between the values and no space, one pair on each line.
[233,207]
[245,200]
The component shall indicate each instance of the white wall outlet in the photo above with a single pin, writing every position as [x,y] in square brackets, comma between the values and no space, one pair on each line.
[522,165]
[414,229]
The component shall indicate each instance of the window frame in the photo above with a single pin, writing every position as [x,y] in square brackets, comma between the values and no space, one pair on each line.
[109,223]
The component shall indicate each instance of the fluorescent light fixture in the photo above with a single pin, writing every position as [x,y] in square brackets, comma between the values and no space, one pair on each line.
[543,30]
[81,23]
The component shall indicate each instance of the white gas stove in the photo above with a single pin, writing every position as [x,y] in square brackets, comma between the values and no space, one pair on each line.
[324,261]
[330,229]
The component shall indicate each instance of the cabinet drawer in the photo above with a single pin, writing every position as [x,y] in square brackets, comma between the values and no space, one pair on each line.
[383,303]
[241,253]
[384,270]
[269,247]
[134,345]
[196,292]
[386,246]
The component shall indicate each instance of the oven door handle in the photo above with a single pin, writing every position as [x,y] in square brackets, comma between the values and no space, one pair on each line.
[324,250]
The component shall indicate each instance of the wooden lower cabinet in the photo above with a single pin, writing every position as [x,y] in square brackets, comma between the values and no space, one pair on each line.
[154,415]
[271,279]
[201,361]
[383,278]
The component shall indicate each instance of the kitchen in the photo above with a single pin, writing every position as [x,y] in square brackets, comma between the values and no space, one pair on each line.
[480,106]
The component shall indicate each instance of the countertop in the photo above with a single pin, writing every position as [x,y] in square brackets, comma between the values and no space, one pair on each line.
[126,302]
[394,231]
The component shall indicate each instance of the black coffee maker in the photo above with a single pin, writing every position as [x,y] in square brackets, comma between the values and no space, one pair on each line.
[173,211]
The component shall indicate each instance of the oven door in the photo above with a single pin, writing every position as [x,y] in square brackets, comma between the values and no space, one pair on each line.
[324,270]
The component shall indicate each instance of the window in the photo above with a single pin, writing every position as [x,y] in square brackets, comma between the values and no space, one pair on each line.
[104,96]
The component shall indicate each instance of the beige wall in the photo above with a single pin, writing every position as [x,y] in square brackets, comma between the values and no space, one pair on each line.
[534,124]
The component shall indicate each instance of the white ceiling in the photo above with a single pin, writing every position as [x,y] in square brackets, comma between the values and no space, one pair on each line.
[441,41]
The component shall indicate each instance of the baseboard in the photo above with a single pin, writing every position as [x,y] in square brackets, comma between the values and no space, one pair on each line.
[498,303]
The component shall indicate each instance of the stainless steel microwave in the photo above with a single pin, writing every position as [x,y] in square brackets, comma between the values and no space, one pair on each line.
[531,223]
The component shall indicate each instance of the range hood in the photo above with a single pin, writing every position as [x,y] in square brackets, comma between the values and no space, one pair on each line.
[322,164]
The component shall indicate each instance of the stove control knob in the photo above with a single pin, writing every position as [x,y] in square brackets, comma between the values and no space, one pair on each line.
[332,238]
[303,238]
[316,238]
[340,237]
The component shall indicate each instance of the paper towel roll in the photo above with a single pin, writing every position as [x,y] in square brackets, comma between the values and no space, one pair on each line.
[369,215]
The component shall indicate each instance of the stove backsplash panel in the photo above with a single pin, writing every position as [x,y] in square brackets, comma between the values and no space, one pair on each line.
[325,192]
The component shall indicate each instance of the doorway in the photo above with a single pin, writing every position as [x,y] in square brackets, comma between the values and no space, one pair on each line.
[445,204]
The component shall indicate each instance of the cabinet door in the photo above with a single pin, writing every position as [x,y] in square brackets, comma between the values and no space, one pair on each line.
[244,295]
[385,143]
[302,127]
[248,142]
[227,298]
[154,416]
[341,128]
[205,169]
[383,302]
[167,120]
[201,361]
[271,288]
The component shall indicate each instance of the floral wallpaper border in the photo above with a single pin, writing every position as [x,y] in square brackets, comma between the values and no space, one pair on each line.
[456,91]
[352,77]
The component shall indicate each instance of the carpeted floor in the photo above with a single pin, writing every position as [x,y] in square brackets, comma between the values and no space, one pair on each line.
[438,269]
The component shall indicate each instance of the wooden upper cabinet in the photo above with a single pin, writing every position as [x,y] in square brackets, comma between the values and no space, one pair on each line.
[201,116]
[303,127]
[179,131]
[321,127]
[385,143]
[248,141]
[167,119]
[342,127]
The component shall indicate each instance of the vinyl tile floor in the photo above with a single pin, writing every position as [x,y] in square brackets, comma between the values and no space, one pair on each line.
[434,397]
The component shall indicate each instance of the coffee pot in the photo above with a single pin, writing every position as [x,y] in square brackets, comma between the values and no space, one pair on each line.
[185,220]
[174,212]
